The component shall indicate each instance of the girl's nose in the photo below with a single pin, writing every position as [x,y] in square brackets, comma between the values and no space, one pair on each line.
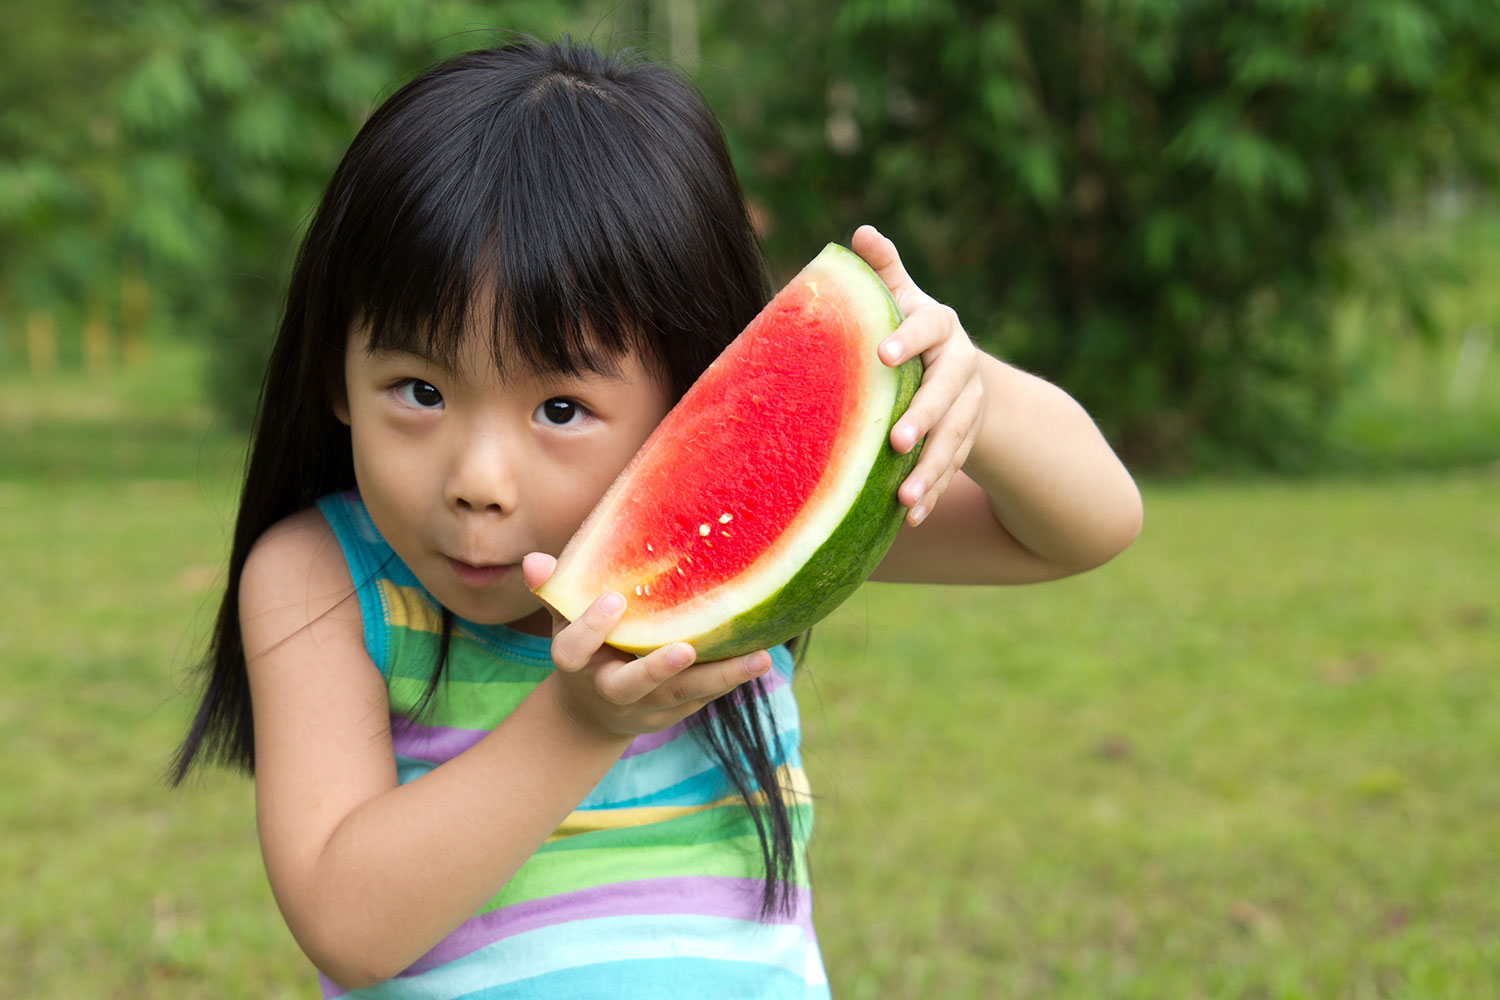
[483,476]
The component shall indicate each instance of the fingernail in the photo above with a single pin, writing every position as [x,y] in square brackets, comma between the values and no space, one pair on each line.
[680,655]
[916,490]
[612,603]
[918,513]
[758,663]
[891,350]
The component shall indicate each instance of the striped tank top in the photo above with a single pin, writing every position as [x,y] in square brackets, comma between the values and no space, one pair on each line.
[650,888]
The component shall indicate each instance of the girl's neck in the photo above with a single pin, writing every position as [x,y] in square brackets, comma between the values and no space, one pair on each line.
[539,622]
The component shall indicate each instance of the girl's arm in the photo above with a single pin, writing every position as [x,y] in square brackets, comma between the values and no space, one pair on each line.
[1030,489]
[370,874]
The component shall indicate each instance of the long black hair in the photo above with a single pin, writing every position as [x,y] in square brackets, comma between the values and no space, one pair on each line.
[593,198]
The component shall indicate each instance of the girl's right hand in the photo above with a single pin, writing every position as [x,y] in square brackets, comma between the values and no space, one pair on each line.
[618,694]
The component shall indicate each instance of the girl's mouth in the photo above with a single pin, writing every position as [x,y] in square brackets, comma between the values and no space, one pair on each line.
[479,576]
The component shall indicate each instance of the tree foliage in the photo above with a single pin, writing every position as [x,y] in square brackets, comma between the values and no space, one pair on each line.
[187,160]
[1149,201]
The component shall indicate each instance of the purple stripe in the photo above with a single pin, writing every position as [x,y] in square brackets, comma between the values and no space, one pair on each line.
[657,740]
[439,743]
[436,744]
[653,741]
[696,895]
[432,743]
[771,681]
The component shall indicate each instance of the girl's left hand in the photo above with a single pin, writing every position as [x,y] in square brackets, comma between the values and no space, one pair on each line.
[949,405]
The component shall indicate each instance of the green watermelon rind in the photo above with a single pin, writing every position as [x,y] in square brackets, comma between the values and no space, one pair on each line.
[831,574]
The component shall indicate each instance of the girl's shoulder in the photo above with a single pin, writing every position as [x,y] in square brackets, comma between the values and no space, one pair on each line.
[295,574]
[307,525]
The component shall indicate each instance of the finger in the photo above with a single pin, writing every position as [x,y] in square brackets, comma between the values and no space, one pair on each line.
[923,329]
[880,253]
[574,645]
[925,505]
[707,681]
[945,448]
[627,681]
[946,389]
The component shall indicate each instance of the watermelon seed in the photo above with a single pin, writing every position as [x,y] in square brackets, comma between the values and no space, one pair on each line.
[724,533]
[647,589]
[725,518]
[637,591]
[703,529]
[680,572]
[649,548]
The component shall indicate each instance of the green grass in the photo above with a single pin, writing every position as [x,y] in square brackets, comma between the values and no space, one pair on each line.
[114,499]
[1252,758]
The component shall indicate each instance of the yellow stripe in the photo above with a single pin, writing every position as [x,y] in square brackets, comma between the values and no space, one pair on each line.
[408,610]
[793,780]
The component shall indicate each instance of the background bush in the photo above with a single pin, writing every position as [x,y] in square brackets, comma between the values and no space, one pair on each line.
[1154,202]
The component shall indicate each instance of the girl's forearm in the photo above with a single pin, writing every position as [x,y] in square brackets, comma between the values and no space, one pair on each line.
[1052,480]
[408,866]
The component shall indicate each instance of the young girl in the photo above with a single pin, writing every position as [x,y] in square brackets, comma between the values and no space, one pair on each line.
[525,258]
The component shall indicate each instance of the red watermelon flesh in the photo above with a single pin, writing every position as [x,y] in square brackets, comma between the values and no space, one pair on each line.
[768,492]
[741,463]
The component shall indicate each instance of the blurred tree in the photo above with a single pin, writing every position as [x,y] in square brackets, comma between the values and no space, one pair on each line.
[1147,200]
[192,144]
[50,238]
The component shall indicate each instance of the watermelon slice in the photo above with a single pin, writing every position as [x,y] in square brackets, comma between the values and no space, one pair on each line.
[768,493]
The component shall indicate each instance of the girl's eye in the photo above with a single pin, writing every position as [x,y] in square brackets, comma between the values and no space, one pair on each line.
[559,412]
[415,392]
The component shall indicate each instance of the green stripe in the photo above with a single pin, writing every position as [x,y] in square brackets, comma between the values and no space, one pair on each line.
[553,872]
[460,704]
[415,652]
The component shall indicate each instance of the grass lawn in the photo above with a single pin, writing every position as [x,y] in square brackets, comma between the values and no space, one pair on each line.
[1254,757]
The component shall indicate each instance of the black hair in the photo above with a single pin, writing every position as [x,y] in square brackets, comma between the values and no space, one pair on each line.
[592,198]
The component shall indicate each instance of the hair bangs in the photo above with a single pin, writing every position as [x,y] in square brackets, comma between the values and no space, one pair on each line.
[564,205]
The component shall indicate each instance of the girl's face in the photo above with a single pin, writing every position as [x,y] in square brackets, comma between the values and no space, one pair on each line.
[464,472]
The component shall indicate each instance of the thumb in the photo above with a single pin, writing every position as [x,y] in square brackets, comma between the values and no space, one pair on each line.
[881,254]
[536,568]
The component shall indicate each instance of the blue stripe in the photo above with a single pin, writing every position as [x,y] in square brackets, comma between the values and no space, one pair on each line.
[654,979]
[369,559]
[626,957]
